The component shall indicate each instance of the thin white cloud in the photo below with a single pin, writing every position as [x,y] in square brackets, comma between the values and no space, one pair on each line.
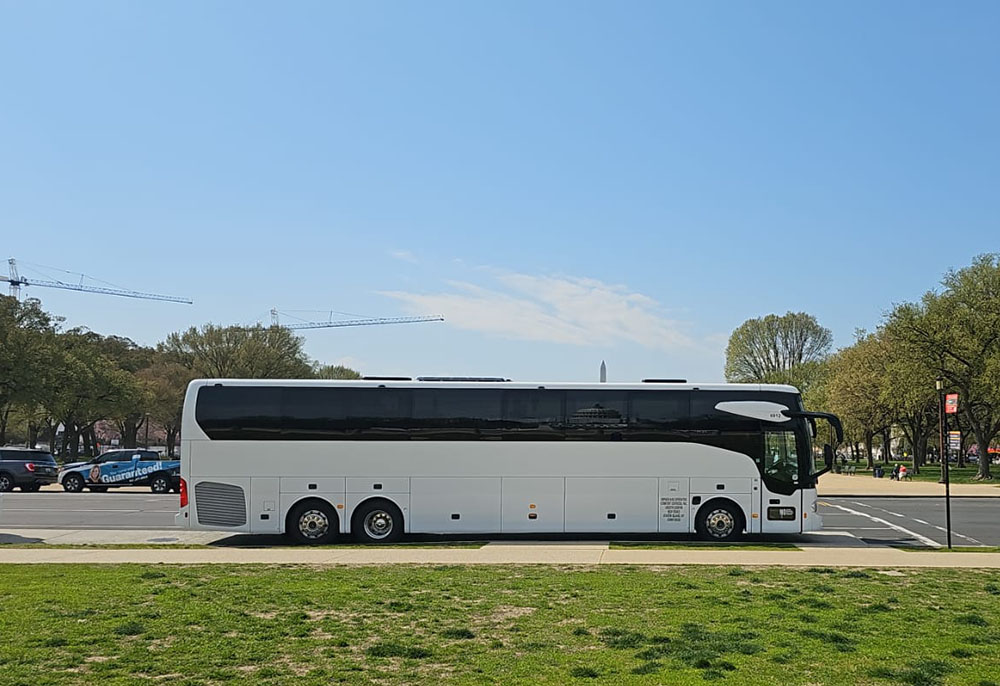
[554,309]
[404,255]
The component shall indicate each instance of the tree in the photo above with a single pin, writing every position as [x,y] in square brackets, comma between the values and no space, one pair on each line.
[957,334]
[26,335]
[166,382]
[787,349]
[907,387]
[131,358]
[238,352]
[339,371]
[856,390]
[88,386]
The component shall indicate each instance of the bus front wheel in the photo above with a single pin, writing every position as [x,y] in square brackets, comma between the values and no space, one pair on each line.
[313,522]
[377,521]
[719,520]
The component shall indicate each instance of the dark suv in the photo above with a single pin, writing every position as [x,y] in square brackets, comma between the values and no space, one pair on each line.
[27,469]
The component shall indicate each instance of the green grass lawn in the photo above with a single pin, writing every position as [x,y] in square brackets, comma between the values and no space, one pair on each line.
[134,624]
[932,472]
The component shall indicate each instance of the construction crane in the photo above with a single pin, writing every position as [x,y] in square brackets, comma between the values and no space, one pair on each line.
[332,323]
[16,281]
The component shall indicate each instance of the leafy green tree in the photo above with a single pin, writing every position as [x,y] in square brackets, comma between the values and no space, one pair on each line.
[957,334]
[856,390]
[87,386]
[166,383]
[238,352]
[26,348]
[790,348]
[907,387]
[335,371]
[132,358]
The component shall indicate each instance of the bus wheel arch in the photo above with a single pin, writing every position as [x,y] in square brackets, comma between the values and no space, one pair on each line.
[720,519]
[312,521]
[377,520]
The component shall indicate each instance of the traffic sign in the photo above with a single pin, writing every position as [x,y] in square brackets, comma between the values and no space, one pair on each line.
[954,440]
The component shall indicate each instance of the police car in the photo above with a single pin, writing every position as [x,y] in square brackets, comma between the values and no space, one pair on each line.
[122,468]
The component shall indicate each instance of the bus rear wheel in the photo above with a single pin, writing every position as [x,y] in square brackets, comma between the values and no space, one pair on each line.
[377,521]
[719,520]
[312,522]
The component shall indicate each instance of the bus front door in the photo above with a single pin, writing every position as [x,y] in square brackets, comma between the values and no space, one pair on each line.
[781,495]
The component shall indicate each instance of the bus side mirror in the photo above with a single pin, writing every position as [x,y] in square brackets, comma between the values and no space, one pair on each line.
[828,456]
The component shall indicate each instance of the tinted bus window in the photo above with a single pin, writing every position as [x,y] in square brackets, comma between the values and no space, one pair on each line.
[535,415]
[312,413]
[353,413]
[659,409]
[596,407]
[596,415]
[453,414]
[239,413]
[378,413]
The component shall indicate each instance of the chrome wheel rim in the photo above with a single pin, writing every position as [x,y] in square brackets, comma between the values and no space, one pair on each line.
[314,524]
[5,484]
[720,523]
[378,524]
[160,485]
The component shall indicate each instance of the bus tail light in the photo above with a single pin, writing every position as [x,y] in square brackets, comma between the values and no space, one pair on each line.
[184,493]
[30,466]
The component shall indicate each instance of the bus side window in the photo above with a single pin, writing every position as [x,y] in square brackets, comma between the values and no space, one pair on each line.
[456,414]
[535,414]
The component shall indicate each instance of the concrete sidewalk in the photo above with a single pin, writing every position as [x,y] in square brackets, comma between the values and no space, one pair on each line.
[589,553]
[864,485]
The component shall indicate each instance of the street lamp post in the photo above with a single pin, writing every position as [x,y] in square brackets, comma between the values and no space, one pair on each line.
[939,384]
[147,431]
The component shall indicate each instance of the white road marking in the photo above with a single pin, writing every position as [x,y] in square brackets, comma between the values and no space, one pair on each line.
[935,526]
[955,533]
[923,539]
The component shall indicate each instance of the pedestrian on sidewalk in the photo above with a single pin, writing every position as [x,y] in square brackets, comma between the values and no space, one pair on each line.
[895,473]
[902,472]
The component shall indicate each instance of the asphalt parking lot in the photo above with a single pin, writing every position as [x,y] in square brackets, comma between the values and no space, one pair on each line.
[873,521]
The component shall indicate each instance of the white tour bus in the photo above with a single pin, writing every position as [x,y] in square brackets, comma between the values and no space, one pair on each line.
[381,457]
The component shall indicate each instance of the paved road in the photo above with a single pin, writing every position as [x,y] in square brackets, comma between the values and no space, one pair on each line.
[847,521]
[112,510]
[913,521]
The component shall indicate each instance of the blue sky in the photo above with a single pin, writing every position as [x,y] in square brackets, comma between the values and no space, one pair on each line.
[565,182]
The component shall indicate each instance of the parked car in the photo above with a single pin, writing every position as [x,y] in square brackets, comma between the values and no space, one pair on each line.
[122,468]
[26,469]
